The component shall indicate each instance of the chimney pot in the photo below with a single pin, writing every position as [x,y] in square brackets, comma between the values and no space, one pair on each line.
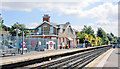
[46,17]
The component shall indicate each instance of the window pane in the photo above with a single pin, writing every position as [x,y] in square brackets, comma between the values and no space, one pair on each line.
[51,29]
[40,31]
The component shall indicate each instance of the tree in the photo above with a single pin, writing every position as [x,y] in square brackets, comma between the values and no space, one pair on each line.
[82,36]
[112,34]
[88,30]
[5,28]
[90,39]
[20,27]
[98,41]
[101,33]
[110,38]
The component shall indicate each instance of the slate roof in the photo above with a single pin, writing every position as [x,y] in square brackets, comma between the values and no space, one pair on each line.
[63,26]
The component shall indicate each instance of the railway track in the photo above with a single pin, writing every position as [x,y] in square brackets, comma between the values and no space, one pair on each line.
[78,60]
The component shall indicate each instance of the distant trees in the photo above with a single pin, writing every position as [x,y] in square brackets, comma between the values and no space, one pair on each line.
[88,30]
[101,37]
[87,33]
[18,26]
[101,33]
[5,28]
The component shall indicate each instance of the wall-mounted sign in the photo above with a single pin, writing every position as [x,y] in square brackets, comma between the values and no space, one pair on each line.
[23,44]
[50,44]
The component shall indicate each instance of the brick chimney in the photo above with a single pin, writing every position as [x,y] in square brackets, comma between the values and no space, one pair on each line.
[46,17]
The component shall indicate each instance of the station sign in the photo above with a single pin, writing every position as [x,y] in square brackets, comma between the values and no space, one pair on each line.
[23,44]
[50,44]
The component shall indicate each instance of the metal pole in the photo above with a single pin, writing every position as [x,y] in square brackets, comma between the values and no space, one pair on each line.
[56,39]
[43,39]
[22,41]
[17,39]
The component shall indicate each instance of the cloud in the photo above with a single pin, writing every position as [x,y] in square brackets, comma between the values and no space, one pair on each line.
[58,0]
[20,6]
[106,13]
[105,10]
[107,28]
[32,25]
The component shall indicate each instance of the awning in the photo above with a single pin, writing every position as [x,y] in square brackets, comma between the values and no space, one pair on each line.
[69,38]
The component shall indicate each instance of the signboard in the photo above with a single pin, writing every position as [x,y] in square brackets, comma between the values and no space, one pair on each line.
[51,45]
[23,44]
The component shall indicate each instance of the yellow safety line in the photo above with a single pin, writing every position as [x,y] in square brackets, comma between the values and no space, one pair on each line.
[91,65]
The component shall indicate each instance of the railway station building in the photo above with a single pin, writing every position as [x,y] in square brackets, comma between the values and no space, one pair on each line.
[63,33]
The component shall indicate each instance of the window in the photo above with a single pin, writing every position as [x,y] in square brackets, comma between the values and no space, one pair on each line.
[40,31]
[51,29]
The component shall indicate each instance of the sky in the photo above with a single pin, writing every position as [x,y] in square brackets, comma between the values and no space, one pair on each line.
[95,13]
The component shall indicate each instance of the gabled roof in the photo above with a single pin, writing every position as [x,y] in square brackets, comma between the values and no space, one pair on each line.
[50,23]
[53,24]
[63,26]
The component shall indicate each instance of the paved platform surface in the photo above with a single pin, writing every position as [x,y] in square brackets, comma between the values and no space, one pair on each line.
[34,55]
[112,61]
[108,60]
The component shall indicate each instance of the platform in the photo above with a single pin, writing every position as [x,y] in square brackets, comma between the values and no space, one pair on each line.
[35,55]
[40,56]
[110,59]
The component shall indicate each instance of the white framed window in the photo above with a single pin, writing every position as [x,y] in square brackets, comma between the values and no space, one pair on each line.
[51,29]
[40,30]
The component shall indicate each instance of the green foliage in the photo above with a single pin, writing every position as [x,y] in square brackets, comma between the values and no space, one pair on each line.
[101,39]
[20,27]
[98,41]
[3,27]
[88,30]
[101,33]
[110,38]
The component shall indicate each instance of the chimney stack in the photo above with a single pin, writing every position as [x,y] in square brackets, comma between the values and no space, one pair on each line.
[46,17]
